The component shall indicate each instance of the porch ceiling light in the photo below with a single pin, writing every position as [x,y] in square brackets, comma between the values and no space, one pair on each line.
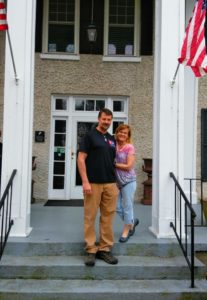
[92,30]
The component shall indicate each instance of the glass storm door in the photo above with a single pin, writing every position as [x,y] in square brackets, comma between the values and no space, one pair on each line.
[80,127]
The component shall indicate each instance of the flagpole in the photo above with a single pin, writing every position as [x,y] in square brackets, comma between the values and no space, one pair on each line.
[12,56]
[176,72]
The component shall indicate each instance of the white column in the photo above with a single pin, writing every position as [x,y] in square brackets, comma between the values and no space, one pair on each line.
[190,133]
[168,114]
[191,99]
[18,111]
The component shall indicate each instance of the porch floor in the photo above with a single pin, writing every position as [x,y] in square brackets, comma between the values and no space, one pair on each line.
[65,224]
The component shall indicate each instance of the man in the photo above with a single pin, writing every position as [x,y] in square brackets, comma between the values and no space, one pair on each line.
[96,167]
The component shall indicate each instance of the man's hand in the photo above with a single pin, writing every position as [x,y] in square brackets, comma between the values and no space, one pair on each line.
[87,188]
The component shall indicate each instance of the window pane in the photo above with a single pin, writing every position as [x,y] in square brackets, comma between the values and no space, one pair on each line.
[121,12]
[121,37]
[90,105]
[61,10]
[79,105]
[121,20]
[60,36]
[100,104]
[60,104]
[118,106]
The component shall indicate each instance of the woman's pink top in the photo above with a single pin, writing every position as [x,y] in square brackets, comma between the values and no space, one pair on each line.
[123,177]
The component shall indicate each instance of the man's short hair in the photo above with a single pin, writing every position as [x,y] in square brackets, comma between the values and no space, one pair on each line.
[106,111]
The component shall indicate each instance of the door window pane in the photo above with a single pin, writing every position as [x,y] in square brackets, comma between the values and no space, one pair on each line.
[60,126]
[59,140]
[82,129]
[115,125]
[100,104]
[79,104]
[58,182]
[90,105]
[60,104]
[59,168]
[59,153]
[118,106]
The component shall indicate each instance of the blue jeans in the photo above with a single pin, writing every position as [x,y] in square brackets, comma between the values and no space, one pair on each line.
[125,202]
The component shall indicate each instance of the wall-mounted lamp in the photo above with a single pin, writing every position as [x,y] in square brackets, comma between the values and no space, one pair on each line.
[91,30]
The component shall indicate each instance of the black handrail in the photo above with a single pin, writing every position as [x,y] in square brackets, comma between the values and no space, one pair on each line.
[202,181]
[5,213]
[179,196]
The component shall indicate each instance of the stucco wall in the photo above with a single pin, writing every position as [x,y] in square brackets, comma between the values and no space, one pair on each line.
[92,76]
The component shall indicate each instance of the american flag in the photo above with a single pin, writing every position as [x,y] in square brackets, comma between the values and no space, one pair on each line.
[3,21]
[193,52]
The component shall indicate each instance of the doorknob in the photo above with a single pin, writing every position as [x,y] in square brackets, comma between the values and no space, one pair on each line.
[72,154]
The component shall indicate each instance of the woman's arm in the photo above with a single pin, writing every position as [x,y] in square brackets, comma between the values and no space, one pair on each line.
[129,164]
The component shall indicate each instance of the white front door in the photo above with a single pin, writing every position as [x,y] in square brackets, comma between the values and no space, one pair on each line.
[80,126]
[65,182]
[71,118]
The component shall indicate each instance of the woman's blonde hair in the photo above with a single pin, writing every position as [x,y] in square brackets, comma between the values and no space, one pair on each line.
[122,127]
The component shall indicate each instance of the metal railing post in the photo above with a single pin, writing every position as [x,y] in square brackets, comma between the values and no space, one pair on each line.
[178,233]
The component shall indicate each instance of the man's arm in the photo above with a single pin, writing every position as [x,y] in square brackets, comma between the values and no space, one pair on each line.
[83,174]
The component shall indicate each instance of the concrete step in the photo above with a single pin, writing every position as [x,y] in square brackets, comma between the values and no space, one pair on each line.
[72,267]
[17,289]
[48,248]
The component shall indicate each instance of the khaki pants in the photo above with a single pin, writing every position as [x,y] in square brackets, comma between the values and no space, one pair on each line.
[104,196]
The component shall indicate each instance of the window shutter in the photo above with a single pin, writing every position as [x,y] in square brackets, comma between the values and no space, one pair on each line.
[204,144]
[147,11]
[38,30]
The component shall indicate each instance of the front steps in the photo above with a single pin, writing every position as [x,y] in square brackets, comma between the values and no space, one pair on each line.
[56,271]
[101,289]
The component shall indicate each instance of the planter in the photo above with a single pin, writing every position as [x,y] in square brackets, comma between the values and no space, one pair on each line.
[204,202]
[147,168]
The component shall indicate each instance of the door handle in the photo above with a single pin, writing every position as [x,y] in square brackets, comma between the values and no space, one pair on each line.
[72,154]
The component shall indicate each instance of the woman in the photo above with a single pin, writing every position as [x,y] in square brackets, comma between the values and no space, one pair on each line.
[126,180]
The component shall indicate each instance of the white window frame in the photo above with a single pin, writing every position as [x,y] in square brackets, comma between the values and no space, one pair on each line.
[136,57]
[60,55]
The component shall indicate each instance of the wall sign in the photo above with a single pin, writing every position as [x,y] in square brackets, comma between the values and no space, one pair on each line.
[39,136]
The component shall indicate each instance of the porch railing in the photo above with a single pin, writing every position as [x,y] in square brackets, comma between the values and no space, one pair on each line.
[202,223]
[5,213]
[179,225]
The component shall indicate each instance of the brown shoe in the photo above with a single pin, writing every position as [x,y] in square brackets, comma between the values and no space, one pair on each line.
[107,257]
[90,259]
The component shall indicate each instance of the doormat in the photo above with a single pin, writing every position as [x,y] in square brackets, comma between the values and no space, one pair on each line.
[72,202]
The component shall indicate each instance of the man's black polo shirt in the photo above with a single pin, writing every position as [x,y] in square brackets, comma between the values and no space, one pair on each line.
[101,151]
